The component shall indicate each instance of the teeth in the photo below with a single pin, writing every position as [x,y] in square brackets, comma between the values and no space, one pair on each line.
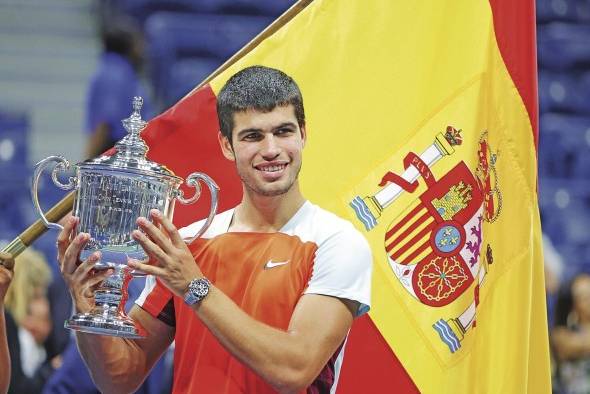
[272,168]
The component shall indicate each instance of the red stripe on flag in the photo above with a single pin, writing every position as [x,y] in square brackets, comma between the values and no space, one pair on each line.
[410,215]
[411,242]
[515,28]
[184,138]
[408,231]
[369,364]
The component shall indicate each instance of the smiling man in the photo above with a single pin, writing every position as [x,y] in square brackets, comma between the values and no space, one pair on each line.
[263,302]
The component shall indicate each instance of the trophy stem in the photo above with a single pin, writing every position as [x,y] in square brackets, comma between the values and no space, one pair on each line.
[108,316]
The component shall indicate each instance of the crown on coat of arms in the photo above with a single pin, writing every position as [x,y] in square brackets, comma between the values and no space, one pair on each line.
[454,201]
[453,136]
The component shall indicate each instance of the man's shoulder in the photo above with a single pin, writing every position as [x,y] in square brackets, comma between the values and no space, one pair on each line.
[318,225]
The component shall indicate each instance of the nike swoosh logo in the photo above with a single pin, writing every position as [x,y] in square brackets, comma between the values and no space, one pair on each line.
[271,264]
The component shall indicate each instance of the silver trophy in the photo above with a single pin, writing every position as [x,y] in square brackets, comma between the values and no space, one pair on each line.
[112,192]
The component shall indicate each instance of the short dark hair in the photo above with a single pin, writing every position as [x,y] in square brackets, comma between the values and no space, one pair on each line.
[259,88]
[121,35]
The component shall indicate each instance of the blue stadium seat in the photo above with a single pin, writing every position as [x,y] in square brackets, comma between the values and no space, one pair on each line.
[563,92]
[173,36]
[576,218]
[255,7]
[14,130]
[582,8]
[575,261]
[142,9]
[562,139]
[564,46]
[556,10]
[15,205]
[185,74]
[565,211]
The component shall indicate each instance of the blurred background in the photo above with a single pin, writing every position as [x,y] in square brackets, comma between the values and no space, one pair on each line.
[68,70]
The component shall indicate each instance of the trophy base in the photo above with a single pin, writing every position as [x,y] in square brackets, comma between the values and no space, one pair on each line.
[98,323]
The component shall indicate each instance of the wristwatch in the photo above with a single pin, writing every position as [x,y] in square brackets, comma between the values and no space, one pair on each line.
[198,289]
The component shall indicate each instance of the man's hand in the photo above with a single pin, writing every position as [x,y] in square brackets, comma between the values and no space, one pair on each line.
[79,276]
[6,266]
[175,265]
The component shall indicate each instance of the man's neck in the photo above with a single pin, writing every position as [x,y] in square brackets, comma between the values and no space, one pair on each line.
[266,214]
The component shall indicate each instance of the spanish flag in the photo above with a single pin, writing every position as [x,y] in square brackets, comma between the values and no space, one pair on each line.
[422,130]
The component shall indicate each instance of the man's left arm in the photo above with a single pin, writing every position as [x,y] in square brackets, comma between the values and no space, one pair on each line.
[288,360]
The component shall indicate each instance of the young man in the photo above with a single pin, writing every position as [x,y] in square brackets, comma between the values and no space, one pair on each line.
[265,299]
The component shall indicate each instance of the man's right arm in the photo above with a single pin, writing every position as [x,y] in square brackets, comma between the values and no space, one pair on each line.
[116,364]
[119,365]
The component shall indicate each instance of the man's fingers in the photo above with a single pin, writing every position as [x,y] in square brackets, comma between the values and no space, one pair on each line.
[98,277]
[71,254]
[84,268]
[5,274]
[6,260]
[149,246]
[8,264]
[146,268]
[63,239]
[168,226]
[155,234]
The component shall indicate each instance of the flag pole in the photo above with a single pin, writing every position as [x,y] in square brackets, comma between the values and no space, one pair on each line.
[35,230]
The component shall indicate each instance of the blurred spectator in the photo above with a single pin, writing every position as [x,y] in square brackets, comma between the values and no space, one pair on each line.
[570,337]
[113,87]
[6,264]
[553,264]
[28,324]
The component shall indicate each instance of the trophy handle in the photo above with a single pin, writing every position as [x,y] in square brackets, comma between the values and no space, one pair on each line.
[193,180]
[62,165]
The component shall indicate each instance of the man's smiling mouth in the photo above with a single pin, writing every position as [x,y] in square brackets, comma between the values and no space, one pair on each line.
[271,168]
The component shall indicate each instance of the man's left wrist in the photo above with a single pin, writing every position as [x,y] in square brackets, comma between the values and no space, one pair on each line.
[197,290]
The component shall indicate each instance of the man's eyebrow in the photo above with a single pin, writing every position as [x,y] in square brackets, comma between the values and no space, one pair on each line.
[286,124]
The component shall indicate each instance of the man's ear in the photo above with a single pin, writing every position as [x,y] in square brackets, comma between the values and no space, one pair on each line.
[303,134]
[226,147]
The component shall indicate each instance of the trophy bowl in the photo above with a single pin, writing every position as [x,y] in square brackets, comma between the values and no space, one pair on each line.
[111,193]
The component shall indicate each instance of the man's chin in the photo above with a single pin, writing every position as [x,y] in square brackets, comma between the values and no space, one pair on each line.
[273,192]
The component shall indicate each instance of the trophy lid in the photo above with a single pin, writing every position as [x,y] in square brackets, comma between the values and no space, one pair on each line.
[131,151]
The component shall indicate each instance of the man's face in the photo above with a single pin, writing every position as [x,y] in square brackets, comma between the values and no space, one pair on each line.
[267,149]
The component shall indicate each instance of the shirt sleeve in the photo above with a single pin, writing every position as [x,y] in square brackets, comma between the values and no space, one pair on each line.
[157,300]
[343,268]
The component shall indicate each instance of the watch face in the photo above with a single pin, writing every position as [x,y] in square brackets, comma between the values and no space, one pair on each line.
[200,288]
[197,290]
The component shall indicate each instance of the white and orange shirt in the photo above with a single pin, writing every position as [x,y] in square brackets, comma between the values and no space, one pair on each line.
[265,274]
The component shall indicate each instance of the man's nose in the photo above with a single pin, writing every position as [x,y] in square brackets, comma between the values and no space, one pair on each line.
[270,147]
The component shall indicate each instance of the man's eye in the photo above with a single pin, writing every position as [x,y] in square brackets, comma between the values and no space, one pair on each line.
[283,131]
[252,137]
